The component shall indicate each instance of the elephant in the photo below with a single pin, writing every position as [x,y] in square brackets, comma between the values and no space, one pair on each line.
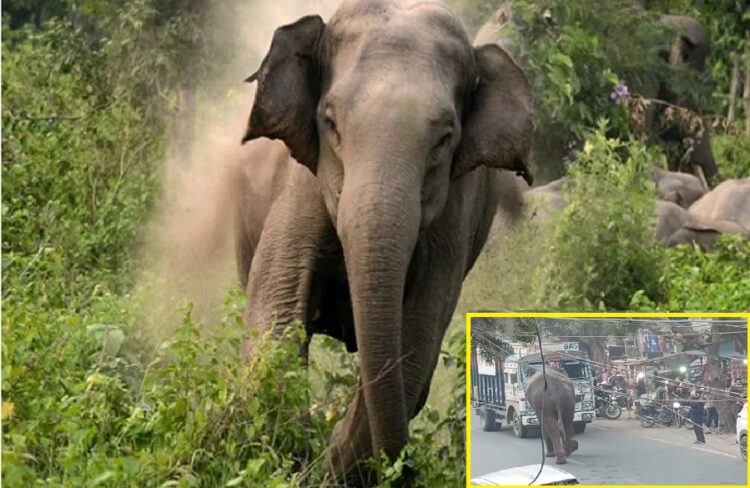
[680,188]
[545,201]
[553,398]
[730,200]
[401,139]
[691,48]
[676,226]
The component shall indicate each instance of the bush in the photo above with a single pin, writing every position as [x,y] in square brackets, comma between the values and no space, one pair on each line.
[704,281]
[603,249]
[732,153]
[575,55]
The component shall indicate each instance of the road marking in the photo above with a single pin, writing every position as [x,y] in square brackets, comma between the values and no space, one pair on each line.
[573,461]
[691,447]
[632,481]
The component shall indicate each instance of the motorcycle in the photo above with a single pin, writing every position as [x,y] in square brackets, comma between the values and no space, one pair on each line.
[651,414]
[620,396]
[605,407]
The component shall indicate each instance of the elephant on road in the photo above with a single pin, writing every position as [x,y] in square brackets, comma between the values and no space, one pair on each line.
[553,398]
[398,130]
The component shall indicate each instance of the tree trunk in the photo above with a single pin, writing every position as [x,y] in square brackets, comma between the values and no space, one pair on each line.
[727,416]
[594,346]
[734,86]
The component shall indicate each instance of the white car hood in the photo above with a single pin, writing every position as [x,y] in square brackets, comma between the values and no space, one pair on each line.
[522,476]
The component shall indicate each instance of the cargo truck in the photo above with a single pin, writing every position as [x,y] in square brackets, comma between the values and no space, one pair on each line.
[498,386]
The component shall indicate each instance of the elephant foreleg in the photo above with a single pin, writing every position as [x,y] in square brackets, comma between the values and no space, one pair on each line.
[297,236]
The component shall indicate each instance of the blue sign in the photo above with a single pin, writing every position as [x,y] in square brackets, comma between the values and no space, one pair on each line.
[651,342]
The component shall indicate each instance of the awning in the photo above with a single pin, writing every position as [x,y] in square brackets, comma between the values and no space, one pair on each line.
[727,351]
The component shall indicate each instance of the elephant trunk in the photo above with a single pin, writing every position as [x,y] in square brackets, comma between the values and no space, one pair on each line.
[378,228]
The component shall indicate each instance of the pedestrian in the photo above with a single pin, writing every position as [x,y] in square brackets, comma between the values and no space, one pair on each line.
[712,415]
[696,417]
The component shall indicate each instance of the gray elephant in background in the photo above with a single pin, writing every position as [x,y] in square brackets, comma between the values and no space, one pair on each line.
[553,398]
[730,200]
[545,201]
[397,130]
[724,210]
[676,225]
[680,188]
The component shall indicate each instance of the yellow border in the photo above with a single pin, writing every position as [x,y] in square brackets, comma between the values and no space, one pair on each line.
[615,315]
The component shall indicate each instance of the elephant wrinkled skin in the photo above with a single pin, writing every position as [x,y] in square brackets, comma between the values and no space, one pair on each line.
[398,129]
[553,398]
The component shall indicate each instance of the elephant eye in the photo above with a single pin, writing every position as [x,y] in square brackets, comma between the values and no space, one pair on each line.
[444,140]
[330,123]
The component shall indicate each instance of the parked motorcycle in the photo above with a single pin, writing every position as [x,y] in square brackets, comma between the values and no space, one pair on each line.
[651,414]
[605,407]
[619,396]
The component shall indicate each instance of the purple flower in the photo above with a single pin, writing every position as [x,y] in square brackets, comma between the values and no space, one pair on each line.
[619,93]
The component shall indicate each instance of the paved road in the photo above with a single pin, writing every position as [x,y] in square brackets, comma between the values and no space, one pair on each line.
[620,452]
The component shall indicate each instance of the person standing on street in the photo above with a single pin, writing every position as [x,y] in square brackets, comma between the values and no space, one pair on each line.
[696,416]
[712,415]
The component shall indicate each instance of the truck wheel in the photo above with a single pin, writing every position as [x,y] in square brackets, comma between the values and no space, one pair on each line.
[518,429]
[579,427]
[487,420]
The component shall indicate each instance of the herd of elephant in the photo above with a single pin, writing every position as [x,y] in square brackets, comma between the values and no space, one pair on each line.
[685,212]
[379,148]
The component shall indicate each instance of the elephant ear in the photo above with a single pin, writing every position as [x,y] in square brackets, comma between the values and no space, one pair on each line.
[497,129]
[288,90]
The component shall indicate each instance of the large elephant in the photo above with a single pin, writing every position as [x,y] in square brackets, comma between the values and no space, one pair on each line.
[553,398]
[398,128]
[675,226]
[730,200]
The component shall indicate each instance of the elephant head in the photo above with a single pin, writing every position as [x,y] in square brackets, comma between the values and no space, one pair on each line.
[692,44]
[387,105]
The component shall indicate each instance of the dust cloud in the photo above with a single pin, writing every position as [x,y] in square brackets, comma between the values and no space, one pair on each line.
[188,252]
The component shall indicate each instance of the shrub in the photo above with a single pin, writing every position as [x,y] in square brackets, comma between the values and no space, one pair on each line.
[704,281]
[603,249]
[732,153]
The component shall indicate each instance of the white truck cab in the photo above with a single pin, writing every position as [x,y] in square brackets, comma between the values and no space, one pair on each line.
[499,387]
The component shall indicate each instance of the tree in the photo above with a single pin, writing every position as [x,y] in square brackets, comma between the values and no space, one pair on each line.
[726,409]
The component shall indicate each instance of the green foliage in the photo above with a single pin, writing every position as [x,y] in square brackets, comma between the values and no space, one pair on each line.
[727,22]
[601,252]
[574,55]
[732,153]
[704,281]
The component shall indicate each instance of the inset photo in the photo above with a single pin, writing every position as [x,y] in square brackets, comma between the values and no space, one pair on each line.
[606,399]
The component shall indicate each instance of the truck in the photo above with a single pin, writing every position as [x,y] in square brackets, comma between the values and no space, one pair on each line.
[498,386]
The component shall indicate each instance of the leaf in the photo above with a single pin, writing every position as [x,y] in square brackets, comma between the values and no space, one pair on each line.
[8,410]
[109,337]
[236,481]
[103,477]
